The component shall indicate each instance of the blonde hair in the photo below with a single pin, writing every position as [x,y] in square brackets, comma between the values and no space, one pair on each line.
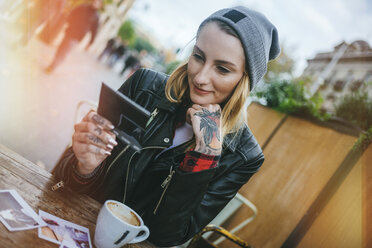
[233,113]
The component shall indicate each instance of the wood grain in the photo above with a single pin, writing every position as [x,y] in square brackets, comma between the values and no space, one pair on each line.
[262,121]
[34,185]
[299,161]
[340,222]
[367,197]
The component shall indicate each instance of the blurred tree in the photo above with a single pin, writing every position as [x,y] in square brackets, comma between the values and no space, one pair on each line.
[127,32]
[281,67]
[107,2]
[142,44]
[356,108]
[170,67]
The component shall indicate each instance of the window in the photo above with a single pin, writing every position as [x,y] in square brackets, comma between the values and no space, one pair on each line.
[354,86]
[339,85]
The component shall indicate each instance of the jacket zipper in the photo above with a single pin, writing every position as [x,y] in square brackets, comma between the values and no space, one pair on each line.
[113,161]
[129,163]
[165,186]
[153,114]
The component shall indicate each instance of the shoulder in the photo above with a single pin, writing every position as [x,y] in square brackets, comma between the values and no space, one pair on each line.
[151,80]
[245,144]
[148,80]
[248,145]
[145,86]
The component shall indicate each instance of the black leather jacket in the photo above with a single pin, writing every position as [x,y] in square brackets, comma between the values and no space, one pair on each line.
[189,200]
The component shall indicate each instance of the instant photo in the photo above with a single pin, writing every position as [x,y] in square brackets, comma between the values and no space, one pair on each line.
[16,214]
[63,232]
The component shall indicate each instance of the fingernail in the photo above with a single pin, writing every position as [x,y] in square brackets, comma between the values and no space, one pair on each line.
[107,153]
[110,126]
[112,141]
[109,146]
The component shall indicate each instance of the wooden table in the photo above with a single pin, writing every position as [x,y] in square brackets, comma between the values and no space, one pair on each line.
[34,185]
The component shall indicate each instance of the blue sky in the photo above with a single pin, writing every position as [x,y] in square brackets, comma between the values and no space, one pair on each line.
[305,27]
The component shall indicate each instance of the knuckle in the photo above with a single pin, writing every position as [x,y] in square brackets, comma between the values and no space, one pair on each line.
[90,127]
[76,126]
[87,138]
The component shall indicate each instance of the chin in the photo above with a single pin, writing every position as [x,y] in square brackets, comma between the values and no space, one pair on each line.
[199,100]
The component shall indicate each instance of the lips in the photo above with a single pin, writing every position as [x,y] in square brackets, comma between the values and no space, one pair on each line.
[201,91]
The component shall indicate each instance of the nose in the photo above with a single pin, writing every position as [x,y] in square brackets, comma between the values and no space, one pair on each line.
[203,76]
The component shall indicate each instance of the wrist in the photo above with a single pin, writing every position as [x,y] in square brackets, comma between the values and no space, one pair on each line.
[83,170]
[208,150]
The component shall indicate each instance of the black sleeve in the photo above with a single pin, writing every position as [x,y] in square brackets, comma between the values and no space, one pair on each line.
[194,199]
[65,170]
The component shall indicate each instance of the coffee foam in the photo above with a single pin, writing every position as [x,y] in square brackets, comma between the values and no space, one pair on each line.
[123,213]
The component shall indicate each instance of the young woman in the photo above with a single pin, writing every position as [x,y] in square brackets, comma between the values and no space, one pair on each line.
[197,150]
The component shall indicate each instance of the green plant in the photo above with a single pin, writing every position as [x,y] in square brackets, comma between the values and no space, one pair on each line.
[142,44]
[170,67]
[356,108]
[291,98]
[363,141]
[127,32]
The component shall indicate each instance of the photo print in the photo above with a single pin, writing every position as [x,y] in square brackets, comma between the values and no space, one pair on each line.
[16,214]
[64,233]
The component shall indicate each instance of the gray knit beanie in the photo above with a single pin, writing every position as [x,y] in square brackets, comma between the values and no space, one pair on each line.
[257,34]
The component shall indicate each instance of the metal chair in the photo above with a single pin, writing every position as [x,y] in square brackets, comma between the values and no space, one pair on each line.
[229,209]
[199,242]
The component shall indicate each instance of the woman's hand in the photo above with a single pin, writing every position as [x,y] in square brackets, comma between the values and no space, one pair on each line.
[92,141]
[206,124]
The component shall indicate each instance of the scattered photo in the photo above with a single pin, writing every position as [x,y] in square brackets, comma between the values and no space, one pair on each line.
[79,237]
[54,230]
[75,238]
[67,244]
[64,233]
[16,214]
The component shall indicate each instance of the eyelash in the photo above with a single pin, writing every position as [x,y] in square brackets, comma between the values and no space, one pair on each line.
[197,56]
[221,69]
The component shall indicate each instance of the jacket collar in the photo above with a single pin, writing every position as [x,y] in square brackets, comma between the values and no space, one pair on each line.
[231,140]
[166,105]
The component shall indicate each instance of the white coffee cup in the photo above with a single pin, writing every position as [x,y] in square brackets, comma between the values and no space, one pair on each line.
[117,225]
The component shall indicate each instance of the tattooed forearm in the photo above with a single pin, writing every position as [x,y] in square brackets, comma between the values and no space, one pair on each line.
[95,139]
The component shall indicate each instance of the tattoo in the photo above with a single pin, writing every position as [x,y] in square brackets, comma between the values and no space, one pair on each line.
[98,130]
[209,150]
[209,125]
[98,119]
[95,139]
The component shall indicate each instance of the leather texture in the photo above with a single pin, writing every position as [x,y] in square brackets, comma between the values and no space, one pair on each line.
[191,199]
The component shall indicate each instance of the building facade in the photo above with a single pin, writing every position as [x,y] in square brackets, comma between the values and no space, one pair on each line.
[346,69]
